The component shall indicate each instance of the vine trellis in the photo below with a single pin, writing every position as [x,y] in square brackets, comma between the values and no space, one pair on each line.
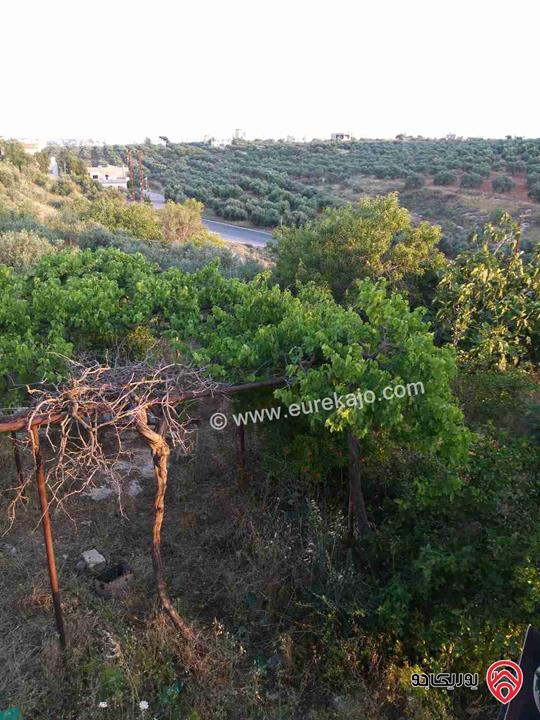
[85,422]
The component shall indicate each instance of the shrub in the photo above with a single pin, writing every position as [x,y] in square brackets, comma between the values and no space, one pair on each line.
[414,181]
[22,248]
[502,183]
[112,211]
[444,177]
[183,222]
[534,191]
[63,187]
[471,180]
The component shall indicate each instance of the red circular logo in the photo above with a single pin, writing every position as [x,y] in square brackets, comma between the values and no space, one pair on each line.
[504,679]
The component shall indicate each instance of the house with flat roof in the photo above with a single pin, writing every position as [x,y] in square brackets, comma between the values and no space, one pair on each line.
[341,137]
[111,176]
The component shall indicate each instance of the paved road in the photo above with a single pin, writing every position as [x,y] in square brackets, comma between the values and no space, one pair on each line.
[228,231]
[237,234]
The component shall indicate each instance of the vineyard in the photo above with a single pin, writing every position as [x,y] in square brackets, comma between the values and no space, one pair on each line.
[292,569]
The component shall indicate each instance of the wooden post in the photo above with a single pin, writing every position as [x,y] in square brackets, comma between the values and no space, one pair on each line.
[18,464]
[47,535]
[358,523]
[240,437]
[160,453]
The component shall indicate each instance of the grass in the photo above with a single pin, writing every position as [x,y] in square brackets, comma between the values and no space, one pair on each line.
[239,553]
[233,558]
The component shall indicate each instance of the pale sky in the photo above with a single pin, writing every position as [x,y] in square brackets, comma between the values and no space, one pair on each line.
[121,70]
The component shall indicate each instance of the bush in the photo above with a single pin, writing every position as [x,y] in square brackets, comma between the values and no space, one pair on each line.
[22,248]
[63,187]
[183,222]
[534,191]
[187,256]
[471,180]
[414,181]
[502,183]
[112,211]
[444,177]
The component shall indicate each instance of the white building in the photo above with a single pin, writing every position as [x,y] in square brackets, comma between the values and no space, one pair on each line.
[341,137]
[111,176]
[31,147]
[219,142]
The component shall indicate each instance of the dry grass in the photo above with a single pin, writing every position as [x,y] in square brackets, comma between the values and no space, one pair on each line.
[233,559]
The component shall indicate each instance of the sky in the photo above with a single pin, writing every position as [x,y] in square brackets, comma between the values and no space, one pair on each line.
[120,71]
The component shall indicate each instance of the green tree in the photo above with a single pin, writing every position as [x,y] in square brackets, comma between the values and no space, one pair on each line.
[183,222]
[470,180]
[356,351]
[444,177]
[14,153]
[489,301]
[413,181]
[113,212]
[374,239]
[502,183]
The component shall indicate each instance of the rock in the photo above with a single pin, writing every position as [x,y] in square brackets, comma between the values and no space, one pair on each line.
[99,493]
[339,703]
[93,558]
[134,488]
[146,470]
[141,464]
[8,549]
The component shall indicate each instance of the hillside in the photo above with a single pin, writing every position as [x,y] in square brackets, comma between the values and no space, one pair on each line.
[458,183]
[72,211]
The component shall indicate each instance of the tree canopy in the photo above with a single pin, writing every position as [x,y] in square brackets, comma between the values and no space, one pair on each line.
[374,239]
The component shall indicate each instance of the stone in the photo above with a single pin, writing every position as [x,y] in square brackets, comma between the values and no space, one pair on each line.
[99,493]
[339,703]
[134,488]
[8,549]
[93,558]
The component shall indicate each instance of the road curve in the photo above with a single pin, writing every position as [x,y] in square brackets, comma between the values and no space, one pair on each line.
[237,234]
[228,231]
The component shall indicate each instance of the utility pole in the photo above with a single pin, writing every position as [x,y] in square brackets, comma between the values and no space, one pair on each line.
[141,178]
[131,175]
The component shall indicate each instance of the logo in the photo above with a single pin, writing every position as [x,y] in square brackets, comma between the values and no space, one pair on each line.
[504,679]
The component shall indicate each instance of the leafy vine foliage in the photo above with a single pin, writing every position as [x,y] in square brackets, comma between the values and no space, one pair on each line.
[441,485]
[489,300]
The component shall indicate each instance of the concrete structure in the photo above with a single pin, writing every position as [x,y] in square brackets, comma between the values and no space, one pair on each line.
[110,176]
[218,142]
[31,147]
[341,137]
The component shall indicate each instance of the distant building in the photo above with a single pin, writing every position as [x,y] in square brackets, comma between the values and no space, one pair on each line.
[239,134]
[110,176]
[31,147]
[219,142]
[341,137]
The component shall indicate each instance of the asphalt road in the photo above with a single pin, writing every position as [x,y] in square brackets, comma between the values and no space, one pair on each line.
[228,231]
[237,234]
